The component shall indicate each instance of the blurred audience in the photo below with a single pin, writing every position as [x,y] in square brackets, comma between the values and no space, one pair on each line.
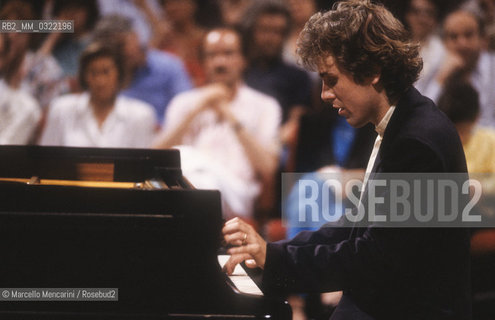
[266,27]
[232,11]
[39,73]
[466,61]
[300,11]
[132,9]
[19,111]
[179,33]
[229,131]
[422,21]
[68,46]
[485,9]
[151,76]
[99,117]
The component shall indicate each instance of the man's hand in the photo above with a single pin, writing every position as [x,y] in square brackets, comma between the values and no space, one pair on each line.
[214,95]
[250,245]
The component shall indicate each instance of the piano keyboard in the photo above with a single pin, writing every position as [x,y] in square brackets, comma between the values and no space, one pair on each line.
[240,278]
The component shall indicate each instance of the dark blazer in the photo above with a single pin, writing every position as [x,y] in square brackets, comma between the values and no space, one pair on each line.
[387,273]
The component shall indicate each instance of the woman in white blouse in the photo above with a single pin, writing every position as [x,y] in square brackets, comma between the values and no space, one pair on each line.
[99,117]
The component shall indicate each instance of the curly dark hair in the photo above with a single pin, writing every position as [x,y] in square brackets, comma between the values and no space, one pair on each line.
[366,40]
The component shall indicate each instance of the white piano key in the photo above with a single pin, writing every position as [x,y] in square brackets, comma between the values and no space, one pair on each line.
[240,278]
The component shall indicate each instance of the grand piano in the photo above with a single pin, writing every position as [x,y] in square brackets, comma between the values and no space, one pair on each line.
[115,218]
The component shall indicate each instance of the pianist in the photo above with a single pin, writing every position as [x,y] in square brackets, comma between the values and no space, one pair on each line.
[368,66]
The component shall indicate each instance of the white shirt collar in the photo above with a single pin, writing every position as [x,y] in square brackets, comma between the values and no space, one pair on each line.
[380,128]
[85,109]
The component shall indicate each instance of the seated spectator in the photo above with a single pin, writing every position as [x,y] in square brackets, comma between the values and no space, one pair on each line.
[132,10]
[232,11]
[229,130]
[69,46]
[152,76]
[40,74]
[179,33]
[19,111]
[466,60]
[99,117]
[421,19]
[266,28]
[485,9]
[460,102]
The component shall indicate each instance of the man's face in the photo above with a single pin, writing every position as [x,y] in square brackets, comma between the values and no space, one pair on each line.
[301,10]
[462,36]
[357,103]
[269,35]
[421,18]
[179,10]
[223,59]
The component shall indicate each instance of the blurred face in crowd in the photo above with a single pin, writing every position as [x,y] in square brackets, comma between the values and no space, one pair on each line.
[421,18]
[102,79]
[269,35]
[223,58]
[233,10]
[488,8]
[357,103]
[179,10]
[462,36]
[301,10]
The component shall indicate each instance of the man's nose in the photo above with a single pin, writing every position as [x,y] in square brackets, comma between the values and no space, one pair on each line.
[327,94]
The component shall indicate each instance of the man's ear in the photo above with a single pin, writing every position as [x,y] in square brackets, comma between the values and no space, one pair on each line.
[375,79]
